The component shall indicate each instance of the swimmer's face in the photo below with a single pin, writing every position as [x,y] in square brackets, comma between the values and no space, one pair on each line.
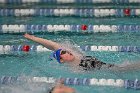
[63,89]
[66,56]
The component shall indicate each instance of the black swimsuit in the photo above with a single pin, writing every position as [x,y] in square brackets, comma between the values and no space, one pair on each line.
[89,62]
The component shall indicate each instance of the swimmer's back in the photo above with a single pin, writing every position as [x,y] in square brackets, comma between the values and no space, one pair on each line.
[89,63]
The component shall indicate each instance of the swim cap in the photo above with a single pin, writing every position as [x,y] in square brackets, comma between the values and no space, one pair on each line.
[56,55]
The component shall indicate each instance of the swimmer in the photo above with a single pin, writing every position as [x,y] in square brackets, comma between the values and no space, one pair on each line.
[63,55]
[61,89]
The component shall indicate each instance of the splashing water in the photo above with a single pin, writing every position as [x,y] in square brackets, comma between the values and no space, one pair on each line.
[25,87]
[72,47]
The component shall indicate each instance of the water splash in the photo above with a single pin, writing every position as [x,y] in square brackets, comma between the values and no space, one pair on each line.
[72,46]
[25,86]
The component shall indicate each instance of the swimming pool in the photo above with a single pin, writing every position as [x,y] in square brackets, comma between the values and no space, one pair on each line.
[38,64]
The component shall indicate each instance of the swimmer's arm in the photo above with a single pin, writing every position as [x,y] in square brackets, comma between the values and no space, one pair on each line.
[47,43]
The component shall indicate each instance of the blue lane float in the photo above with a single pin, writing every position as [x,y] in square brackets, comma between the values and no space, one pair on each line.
[82,12]
[69,1]
[132,84]
[129,49]
[76,81]
[128,84]
[8,80]
[8,49]
[68,28]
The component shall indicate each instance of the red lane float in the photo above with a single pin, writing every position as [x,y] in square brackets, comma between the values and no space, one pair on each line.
[84,27]
[127,12]
[26,48]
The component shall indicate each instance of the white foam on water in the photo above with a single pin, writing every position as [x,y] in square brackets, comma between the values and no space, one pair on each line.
[72,47]
[25,87]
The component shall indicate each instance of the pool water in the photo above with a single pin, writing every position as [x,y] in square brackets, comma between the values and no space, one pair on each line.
[38,64]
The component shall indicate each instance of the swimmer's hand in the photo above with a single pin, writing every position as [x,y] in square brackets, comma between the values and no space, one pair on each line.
[47,43]
[28,36]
